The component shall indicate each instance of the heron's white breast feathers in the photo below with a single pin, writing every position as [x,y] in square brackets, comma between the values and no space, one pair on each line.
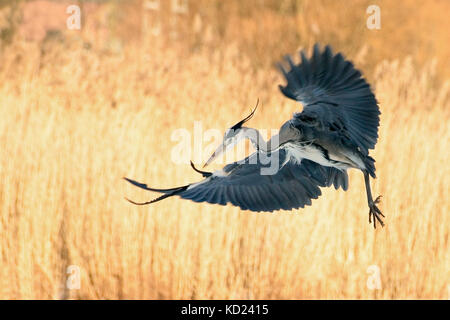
[296,152]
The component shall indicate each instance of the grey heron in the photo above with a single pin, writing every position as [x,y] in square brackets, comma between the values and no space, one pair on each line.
[333,133]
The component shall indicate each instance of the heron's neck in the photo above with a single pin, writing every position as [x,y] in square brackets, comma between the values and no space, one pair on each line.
[258,142]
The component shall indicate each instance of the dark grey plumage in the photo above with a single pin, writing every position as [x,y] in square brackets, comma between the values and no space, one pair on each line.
[334,96]
[292,187]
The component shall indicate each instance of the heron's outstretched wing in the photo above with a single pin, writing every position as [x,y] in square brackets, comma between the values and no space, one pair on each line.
[335,97]
[243,184]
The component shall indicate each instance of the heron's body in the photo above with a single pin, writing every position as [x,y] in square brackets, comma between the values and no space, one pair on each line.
[333,133]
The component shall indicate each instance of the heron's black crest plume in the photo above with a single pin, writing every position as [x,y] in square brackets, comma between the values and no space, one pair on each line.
[240,123]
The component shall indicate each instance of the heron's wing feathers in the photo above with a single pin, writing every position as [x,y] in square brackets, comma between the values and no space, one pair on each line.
[334,94]
[145,187]
[243,184]
[294,185]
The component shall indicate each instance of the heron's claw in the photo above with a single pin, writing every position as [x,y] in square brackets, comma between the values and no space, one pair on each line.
[375,212]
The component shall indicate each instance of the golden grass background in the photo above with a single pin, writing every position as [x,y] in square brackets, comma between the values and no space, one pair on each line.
[76,118]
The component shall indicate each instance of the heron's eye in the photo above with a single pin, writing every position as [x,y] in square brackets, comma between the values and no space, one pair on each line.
[230,133]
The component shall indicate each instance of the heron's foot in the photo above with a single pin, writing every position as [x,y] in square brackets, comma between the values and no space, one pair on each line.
[375,213]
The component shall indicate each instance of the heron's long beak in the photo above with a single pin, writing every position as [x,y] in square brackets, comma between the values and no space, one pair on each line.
[221,149]
[232,140]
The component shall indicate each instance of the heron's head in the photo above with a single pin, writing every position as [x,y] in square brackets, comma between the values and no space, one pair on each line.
[288,132]
[231,137]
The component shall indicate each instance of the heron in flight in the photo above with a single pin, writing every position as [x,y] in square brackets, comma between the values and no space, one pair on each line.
[334,132]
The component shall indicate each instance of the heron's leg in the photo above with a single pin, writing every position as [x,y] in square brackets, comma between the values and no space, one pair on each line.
[373,209]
